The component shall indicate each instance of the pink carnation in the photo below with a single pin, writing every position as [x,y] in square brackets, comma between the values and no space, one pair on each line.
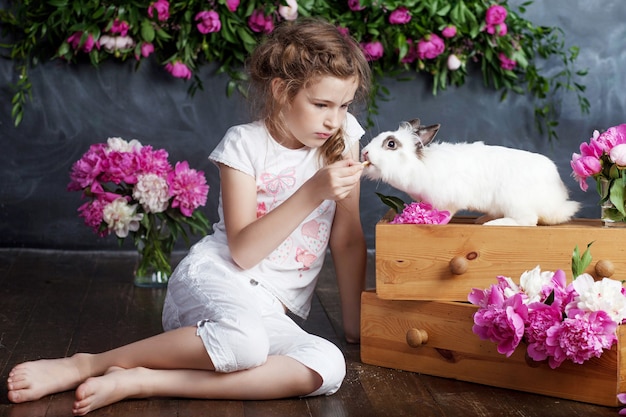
[430,47]
[188,187]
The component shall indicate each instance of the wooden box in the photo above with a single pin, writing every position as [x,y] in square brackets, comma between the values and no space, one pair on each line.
[424,274]
[388,338]
[413,261]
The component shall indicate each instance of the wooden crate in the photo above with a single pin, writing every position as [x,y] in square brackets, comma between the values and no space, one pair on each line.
[413,261]
[452,350]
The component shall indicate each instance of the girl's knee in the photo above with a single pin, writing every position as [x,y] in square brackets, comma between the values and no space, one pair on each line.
[330,365]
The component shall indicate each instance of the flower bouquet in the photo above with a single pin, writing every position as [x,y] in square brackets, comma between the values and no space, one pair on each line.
[556,321]
[133,190]
[416,212]
[603,158]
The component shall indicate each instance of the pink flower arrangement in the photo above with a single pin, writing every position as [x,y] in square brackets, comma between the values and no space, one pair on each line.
[603,158]
[133,190]
[421,213]
[556,321]
[495,17]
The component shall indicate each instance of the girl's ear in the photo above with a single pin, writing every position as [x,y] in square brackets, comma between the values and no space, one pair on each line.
[278,90]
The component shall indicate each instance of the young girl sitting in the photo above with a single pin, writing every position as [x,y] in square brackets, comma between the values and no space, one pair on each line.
[289,189]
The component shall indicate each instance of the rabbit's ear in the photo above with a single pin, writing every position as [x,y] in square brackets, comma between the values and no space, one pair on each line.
[415,124]
[427,133]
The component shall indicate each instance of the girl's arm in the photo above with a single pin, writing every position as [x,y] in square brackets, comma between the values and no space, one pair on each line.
[250,239]
[349,252]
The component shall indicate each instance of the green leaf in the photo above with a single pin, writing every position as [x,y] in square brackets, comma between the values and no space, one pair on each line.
[395,203]
[147,31]
[580,263]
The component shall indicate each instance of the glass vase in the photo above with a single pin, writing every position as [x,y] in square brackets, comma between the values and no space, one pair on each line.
[609,214]
[153,268]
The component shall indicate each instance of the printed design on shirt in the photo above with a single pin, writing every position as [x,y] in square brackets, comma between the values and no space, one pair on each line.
[282,252]
[315,235]
[306,258]
[261,210]
[275,184]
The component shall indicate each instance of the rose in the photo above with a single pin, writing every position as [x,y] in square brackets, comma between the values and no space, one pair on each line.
[372,50]
[162,7]
[178,69]
[209,22]
[258,22]
[290,11]
[430,47]
[400,16]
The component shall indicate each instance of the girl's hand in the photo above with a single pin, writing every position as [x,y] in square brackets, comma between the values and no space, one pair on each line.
[335,181]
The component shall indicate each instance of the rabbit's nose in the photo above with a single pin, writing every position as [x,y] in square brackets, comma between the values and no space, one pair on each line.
[364,156]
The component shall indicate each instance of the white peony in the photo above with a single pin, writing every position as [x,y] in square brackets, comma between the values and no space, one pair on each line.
[121,217]
[600,295]
[290,11]
[120,145]
[152,193]
[533,281]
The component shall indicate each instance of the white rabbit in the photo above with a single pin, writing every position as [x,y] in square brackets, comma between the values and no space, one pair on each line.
[511,186]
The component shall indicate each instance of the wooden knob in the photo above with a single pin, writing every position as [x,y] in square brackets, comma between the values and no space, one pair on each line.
[416,337]
[458,265]
[605,268]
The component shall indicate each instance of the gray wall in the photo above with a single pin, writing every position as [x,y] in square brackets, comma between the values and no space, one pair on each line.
[75,106]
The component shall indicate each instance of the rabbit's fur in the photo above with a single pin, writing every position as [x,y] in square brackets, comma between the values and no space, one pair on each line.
[512,186]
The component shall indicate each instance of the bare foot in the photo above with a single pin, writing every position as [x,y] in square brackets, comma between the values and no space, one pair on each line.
[115,385]
[30,381]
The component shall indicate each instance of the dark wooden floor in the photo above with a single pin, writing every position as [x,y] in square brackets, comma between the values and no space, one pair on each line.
[55,303]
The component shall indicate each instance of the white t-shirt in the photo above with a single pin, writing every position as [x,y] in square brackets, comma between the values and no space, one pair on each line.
[290,271]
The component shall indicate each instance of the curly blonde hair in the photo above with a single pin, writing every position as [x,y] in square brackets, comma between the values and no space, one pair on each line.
[299,52]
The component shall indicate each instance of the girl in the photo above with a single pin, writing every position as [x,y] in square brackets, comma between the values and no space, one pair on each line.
[289,188]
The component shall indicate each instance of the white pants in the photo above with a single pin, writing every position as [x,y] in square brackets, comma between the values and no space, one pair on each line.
[241,323]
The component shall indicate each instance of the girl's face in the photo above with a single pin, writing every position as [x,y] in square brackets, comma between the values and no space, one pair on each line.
[318,111]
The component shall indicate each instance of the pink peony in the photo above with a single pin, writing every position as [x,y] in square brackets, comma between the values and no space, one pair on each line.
[506,63]
[541,317]
[580,338]
[372,50]
[584,167]
[421,213]
[400,16]
[162,8]
[618,154]
[120,27]
[258,22]
[232,5]
[146,50]
[75,41]
[188,187]
[209,22]
[495,15]
[411,55]
[449,31]
[499,30]
[178,69]
[355,5]
[87,168]
[430,47]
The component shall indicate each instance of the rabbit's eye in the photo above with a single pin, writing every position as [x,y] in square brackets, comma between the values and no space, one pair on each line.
[390,143]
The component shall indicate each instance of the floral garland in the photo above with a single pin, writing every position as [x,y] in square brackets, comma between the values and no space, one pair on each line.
[556,321]
[442,39]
